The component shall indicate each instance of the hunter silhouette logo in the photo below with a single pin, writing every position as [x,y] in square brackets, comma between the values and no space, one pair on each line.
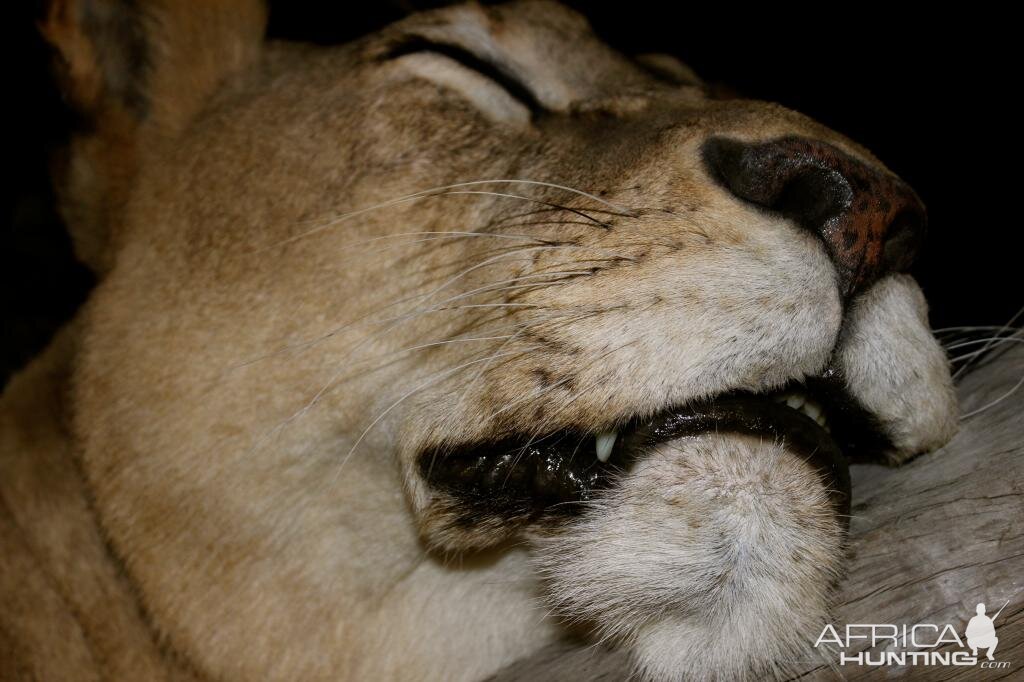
[981,631]
[928,644]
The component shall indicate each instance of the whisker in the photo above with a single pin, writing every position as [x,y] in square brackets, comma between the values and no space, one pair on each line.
[552,315]
[334,380]
[490,305]
[354,251]
[368,316]
[619,209]
[435,379]
[542,245]
[533,275]
[442,234]
[337,377]
[969,328]
[996,340]
[581,214]
[392,357]
[964,356]
[995,402]
[480,372]
[485,263]
[448,283]
[1007,326]
[539,429]
[443,190]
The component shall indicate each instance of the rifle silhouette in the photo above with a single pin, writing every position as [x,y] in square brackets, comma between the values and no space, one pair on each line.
[1000,611]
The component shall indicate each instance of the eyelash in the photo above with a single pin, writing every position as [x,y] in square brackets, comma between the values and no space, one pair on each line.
[467,59]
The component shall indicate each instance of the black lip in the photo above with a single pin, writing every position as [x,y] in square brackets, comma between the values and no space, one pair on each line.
[528,477]
[857,433]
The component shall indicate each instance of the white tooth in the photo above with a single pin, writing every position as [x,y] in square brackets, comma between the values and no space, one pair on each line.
[605,443]
[812,410]
[795,401]
[820,420]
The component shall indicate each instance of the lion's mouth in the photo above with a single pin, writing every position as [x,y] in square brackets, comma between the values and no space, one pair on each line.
[553,473]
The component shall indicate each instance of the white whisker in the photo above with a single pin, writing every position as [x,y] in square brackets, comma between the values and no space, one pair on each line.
[443,190]
[480,372]
[995,402]
[1006,327]
[439,236]
[970,328]
[367,318]
[530,199]
[391,357]
[988,340]
[441,376]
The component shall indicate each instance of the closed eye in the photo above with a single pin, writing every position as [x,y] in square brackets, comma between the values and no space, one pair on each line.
[495,73]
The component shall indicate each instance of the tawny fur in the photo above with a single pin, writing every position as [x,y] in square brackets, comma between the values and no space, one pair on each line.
[283,324]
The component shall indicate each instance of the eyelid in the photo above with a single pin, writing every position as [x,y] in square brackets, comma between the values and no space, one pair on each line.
[486,96]
[468,60]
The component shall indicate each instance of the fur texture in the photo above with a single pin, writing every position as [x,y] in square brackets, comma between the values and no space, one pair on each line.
[320,262]
[704,548]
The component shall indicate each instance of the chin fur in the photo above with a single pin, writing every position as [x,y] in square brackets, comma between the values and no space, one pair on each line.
[713,559]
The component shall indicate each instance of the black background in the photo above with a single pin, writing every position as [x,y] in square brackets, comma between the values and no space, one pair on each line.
[932,95]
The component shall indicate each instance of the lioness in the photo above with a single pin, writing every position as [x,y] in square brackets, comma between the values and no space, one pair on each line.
[413,356]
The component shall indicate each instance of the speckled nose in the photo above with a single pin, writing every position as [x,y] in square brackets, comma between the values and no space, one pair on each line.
[870,221]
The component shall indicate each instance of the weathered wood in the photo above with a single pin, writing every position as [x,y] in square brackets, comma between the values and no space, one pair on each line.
[928,541]
[935,537]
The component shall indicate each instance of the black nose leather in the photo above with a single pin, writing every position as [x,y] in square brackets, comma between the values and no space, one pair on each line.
[870,221]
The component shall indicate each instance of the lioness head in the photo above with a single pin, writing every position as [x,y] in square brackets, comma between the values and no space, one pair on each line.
[415,354]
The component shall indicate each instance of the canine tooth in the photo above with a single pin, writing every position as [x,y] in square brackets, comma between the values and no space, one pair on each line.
[605,443]
[821,420]
[795,401]
[812,410]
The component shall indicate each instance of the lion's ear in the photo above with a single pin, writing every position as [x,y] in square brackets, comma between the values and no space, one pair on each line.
[135,72]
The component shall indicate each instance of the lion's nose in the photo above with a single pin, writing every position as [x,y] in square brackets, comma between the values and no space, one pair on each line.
[870,221]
